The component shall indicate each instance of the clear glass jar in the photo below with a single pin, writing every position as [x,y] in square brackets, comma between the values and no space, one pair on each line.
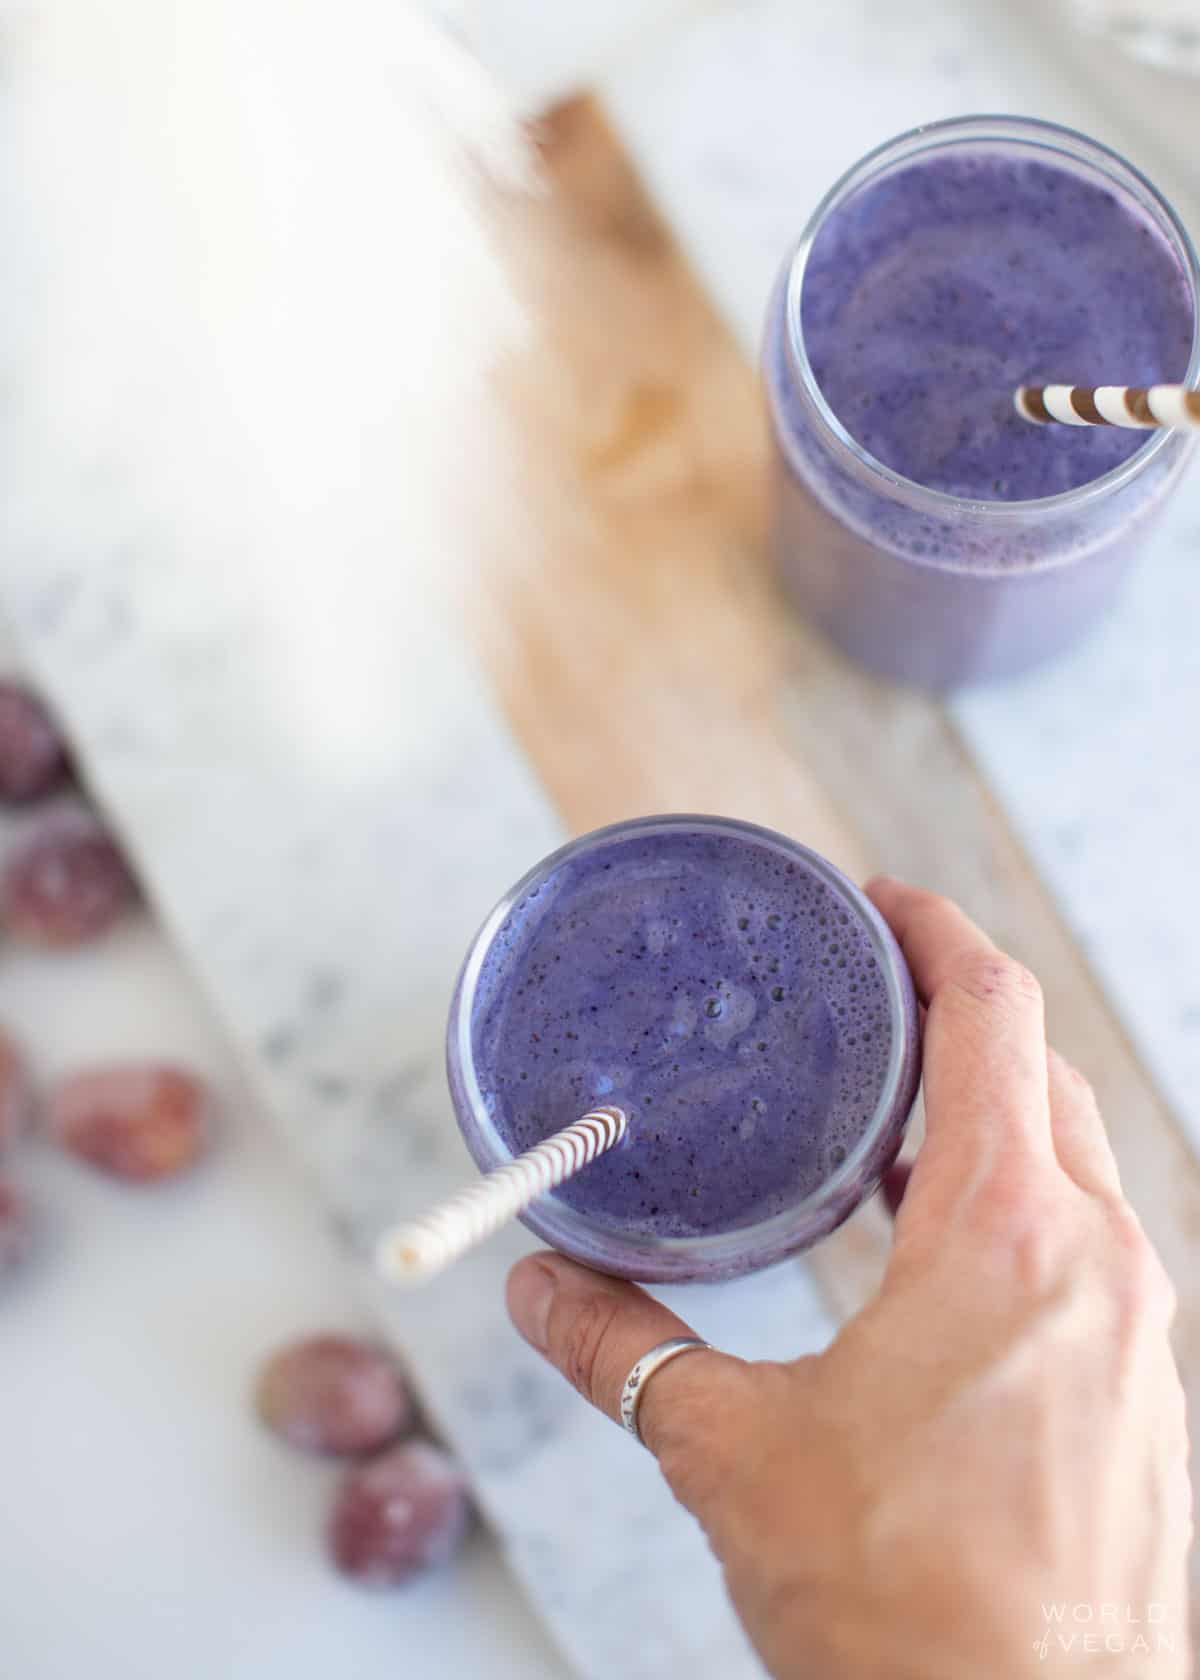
[920,585]
[609,1246]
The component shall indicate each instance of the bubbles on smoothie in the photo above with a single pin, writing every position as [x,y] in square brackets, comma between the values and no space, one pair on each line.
[689,989]
[729,1010]
[685,1018]
[750,1120]
[658,935]
[561,1093]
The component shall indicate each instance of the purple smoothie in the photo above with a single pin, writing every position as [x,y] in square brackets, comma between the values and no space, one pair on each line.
[933,533]
[736,996]
[933,293]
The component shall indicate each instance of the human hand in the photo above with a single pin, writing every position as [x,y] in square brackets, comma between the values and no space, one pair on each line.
[1000,1430]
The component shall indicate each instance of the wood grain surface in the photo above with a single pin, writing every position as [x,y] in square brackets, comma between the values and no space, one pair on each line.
[646,662]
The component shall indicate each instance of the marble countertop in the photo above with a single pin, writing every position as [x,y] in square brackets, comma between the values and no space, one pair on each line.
[289,729]
[739,115]
[151,1526]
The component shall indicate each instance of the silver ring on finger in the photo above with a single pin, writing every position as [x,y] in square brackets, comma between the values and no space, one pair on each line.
[635,1383]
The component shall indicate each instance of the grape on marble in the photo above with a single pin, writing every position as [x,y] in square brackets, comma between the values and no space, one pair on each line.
[16,1098]
[398,1515]
[141,1122]
[65,882]
[32,755]
[16,1227]
[334,1394]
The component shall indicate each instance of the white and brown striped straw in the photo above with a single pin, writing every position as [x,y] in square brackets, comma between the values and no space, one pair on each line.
[1135,406]
[413,1252]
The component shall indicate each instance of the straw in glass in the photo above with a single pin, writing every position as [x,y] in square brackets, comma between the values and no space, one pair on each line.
[413,1252]
[1136,406]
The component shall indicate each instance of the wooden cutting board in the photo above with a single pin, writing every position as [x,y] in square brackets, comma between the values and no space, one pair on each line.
[652,665]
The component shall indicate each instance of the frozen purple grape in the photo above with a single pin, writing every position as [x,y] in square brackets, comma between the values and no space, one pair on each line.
[32,757]
[333,1394]
[66,882]
[140,1121]
[16,1099]
[398,1515]
[16,1227]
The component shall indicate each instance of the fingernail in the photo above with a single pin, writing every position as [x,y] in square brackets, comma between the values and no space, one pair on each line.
[530,1295]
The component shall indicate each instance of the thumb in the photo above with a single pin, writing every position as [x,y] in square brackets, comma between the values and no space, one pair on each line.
[595,1328]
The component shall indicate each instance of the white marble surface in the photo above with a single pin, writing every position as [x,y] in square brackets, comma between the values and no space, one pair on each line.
[231,529]
[740,123]
[235,594]
[545,52]
[150,1526]
[326,927]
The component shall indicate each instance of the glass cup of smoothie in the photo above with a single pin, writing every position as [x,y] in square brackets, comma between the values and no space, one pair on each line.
[737,996]
[932,533]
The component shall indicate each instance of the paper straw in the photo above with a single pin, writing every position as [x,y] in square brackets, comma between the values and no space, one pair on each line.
[1135,406]
[411,1253]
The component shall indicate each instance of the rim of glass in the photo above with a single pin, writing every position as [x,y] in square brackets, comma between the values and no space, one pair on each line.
[982,128]
[764,1235]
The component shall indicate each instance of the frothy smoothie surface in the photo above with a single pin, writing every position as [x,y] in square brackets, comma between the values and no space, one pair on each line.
[718,988]
[931,294]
